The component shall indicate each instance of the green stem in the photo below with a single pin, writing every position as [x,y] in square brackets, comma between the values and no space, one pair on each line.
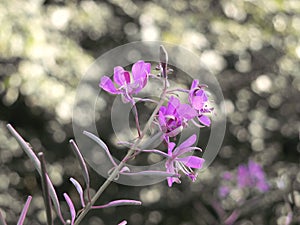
[122,163]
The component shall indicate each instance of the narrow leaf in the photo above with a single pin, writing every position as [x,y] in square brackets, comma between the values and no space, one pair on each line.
[24,211]
[27,149]
[2,221]
[102,145]
[79,190]
[118,203]
[82,163]
[71,207]
[45,188]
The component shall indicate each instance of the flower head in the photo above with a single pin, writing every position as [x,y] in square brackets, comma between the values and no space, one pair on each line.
[224,191]
[198,99]
[176,162]
[174,117]
[252,175]
[127,85]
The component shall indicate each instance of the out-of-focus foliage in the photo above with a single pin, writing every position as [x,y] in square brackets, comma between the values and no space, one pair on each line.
[252,46]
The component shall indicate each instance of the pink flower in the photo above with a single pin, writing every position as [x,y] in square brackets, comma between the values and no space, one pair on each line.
[176,163]
[127,85]
[198,99]
[174,117]
[224,191]
[252,175]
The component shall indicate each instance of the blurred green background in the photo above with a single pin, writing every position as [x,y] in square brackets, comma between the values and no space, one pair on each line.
[251,46]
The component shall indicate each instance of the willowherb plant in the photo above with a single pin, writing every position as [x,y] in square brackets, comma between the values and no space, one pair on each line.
[169,118]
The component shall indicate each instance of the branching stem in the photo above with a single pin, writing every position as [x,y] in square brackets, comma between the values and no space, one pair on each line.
[131,151]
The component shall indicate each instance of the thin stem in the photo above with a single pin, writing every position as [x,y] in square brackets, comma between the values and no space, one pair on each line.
[232,218]
[136,117]
[122,163]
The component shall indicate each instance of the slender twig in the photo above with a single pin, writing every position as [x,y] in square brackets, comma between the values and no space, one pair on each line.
[232,218]
[45,189]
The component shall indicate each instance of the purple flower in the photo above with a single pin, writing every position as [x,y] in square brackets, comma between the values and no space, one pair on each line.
[127,85]
[227,176]
[252,175]
[174,117]
[224,191]
[198,99]
[176,163]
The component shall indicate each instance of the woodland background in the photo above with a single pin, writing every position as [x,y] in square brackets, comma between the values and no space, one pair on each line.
[251,46]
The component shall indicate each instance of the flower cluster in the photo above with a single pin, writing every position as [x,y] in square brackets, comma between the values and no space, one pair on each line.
[252,176]
[174,117]
[171,118]
[247,176]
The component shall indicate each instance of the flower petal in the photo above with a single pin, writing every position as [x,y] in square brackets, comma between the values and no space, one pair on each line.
[121,76]
[204,120]
[262,186]
[186,111]
[171,146]
[193,176]
[243,177]
[107,85]
[187,143]
[140,70]
[224,191]
[192,161]
[188,149]
[197,102]
[172,180]
[255,170]
[173,104]
[194,84]
[162,120]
